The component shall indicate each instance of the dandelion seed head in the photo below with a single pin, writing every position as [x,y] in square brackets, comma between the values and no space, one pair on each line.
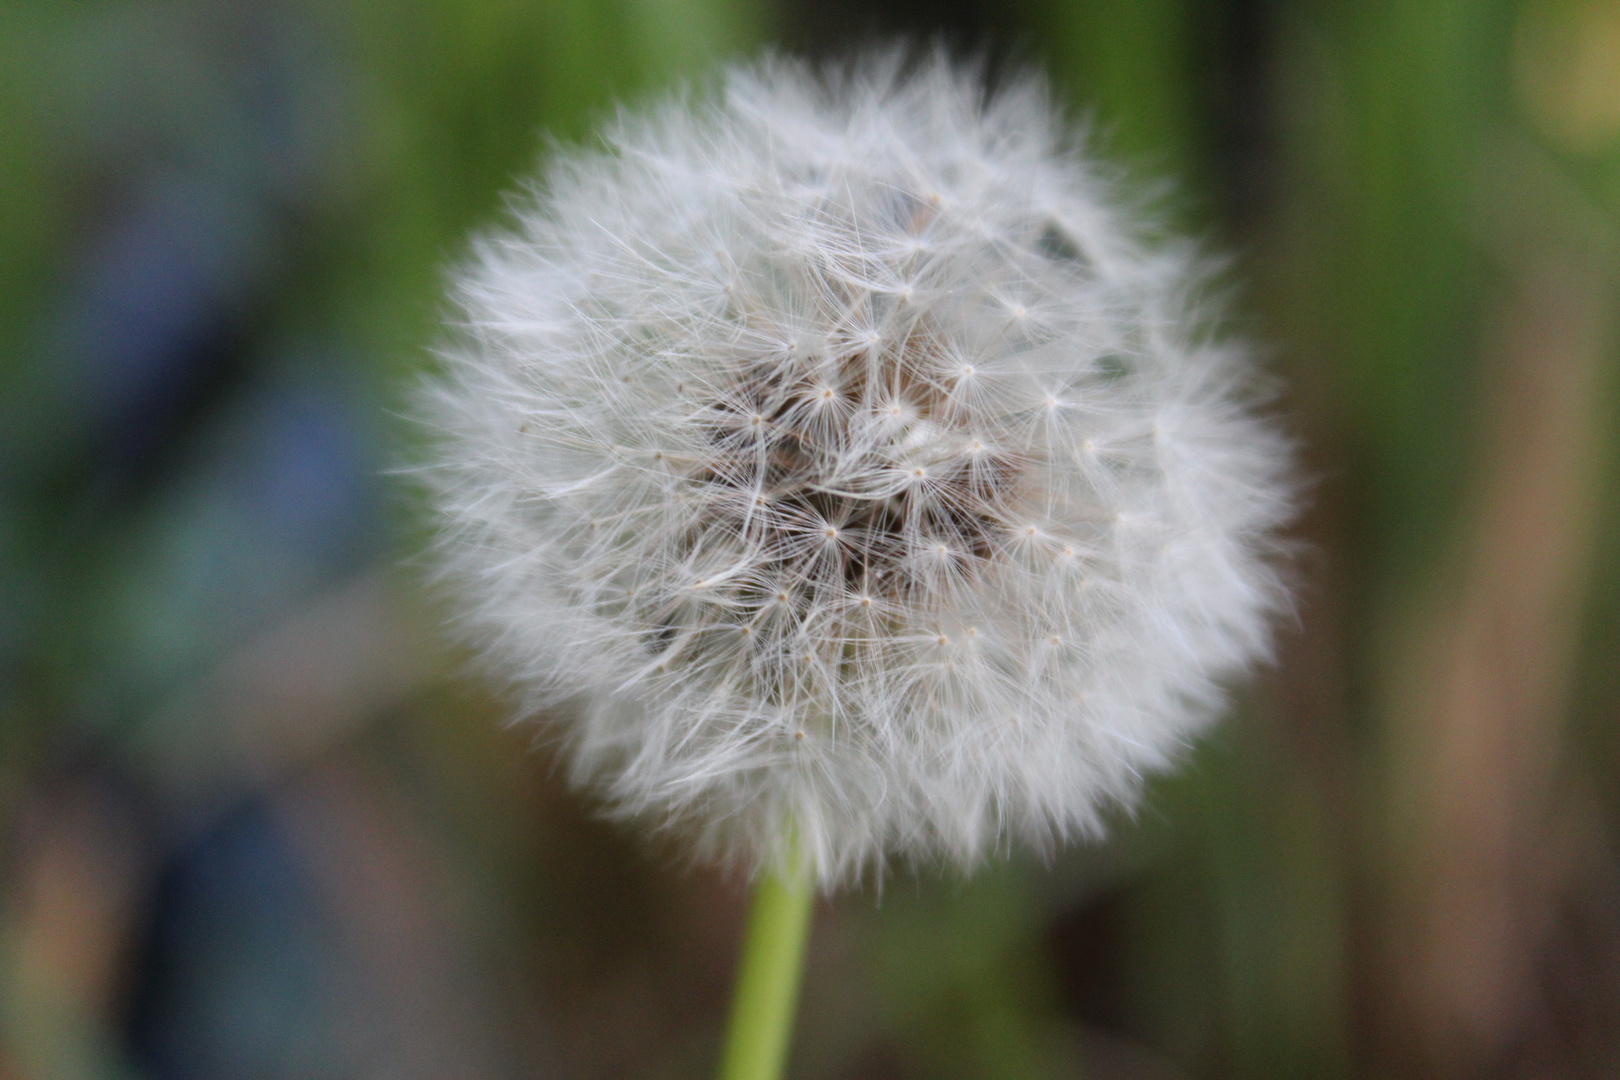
[856,417]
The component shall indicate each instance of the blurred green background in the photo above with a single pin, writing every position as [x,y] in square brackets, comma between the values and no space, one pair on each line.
[252,824]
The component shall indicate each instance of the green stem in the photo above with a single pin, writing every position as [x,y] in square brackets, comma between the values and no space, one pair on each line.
[768,980]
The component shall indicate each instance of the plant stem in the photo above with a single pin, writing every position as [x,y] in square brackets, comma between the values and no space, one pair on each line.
[768,979]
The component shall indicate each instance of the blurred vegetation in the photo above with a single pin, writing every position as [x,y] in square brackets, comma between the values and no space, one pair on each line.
[251,824]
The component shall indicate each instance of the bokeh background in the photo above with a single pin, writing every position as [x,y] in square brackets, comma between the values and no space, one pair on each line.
[254,824]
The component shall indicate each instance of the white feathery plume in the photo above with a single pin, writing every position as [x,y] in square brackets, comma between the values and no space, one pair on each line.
[835,451]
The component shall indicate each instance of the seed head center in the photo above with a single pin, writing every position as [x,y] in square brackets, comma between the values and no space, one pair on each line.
[773,465]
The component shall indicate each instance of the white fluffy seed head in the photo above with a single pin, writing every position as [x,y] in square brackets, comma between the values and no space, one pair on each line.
[833,451]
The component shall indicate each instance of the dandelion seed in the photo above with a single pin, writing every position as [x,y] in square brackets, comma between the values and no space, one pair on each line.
[726,288]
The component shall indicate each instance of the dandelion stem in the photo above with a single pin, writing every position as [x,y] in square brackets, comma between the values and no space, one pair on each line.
[768,978]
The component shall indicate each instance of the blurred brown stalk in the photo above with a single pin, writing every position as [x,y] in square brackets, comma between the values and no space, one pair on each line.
[1488,824]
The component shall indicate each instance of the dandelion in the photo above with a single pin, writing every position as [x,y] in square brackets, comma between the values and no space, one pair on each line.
[838,461]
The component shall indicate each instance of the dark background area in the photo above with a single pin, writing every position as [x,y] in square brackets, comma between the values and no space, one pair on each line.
[255,822]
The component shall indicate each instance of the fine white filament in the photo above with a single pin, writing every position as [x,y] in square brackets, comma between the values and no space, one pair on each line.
[834,453]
